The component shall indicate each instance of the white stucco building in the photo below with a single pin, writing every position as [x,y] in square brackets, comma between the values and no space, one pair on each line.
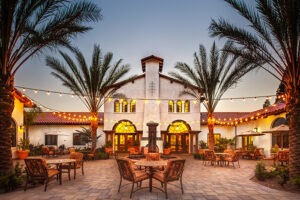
[153,97]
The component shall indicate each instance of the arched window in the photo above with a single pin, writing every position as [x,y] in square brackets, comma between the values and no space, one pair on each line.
[116,106]
[124,106]
[187,106]
[179,106]
[132,106]
[171,106]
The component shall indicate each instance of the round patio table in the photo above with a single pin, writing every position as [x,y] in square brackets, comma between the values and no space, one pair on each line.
[59,162]
[151,165]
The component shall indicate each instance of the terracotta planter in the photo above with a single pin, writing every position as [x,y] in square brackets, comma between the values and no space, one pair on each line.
[167,151]
[22,154]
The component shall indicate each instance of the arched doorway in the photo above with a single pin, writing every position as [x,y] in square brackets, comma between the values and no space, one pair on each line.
[178,137]
[125,136]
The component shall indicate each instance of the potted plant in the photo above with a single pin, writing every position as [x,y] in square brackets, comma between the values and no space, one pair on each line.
[23,148]
[167,149]
[108,147]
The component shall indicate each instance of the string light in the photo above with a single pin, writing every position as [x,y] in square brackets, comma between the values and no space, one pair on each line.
[147,100]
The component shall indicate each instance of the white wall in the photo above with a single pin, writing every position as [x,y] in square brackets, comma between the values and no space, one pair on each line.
[65,134]
[17,115]
[262,124]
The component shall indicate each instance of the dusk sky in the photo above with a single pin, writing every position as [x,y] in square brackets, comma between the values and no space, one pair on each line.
[134,29]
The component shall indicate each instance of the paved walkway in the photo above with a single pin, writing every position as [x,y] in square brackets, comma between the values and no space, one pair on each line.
[101,181]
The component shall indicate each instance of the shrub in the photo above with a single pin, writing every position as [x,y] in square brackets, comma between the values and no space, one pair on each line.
[35,150]
[296,181]
[11,180]
[260,171]
[102,156]
[282,174]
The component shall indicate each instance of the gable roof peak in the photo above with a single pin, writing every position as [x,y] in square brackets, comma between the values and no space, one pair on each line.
[152,58]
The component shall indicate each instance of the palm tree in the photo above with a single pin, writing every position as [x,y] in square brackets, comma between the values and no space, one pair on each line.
[273,37]
[29,117]
[86,134]
[91,84]
[29,28]
[215,76]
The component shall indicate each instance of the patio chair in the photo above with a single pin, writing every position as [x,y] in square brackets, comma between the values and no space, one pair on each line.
[257,154]
[46,151]
[71,150]
[36,170]
[235,157]
[91,155]
[283,157]
[127,172]
[209,155]
[66,168]
[173,172]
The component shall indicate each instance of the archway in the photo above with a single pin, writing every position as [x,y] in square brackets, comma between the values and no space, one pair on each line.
[178,136]
[125,136]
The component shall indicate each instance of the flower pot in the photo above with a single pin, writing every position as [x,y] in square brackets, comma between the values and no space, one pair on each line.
[167,151]
[22,154]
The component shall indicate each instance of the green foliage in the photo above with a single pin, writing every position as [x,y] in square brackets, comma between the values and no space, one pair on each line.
[23,144]
[86,134]
[260,171]
[275,149]
[101,156]
[296,181]
[35,150]
[202,144]
[223,143]
[198,156]
[11,180]
[282,174]
[108,143]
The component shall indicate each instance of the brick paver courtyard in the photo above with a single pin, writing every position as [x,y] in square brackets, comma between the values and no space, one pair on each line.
[101,181]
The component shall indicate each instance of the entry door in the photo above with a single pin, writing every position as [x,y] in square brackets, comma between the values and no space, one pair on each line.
[123,141]
[179,142]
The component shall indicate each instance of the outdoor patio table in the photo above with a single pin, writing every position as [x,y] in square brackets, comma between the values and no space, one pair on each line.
[222,157]
[150,165]
[59,162]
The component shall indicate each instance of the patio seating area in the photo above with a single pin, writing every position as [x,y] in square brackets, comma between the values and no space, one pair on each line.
[101,180]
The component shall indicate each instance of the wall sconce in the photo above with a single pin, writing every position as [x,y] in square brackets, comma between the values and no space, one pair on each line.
[21,127]
[255,129]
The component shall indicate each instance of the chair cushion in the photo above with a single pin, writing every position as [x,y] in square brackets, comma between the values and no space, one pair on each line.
[159,175]
[140,175]
[52,172]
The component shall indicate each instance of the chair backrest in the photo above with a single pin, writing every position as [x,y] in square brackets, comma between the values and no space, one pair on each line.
[125,168]
[131,150]
[152,156]
[78,157]
[36,167]
[283,155]
[45,150]
[236,156]
[71,150]
[209,154]
[229,151]
[174,169]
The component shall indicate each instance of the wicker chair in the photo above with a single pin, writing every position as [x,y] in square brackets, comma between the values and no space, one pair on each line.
[127,172]
[210,156]
[173,172]
[283,157]
[66,168]
[46,151]
[235,157]
[36,169]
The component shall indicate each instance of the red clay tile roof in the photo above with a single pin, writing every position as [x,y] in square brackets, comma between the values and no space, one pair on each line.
[66,118]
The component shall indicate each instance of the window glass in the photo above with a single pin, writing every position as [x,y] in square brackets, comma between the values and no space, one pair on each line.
[116,106]
[132,106]
[179,106]
[124,106]
[187,106]
[79,139]
[217,136]
[50,139]
[125,127]
[171,106]
[178,127]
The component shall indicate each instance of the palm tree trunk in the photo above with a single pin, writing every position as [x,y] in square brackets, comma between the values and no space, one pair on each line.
[6,129]
[94,127]
[210,125]
[293,115]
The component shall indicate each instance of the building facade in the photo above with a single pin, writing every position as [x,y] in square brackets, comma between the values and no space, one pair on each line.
[152,97]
